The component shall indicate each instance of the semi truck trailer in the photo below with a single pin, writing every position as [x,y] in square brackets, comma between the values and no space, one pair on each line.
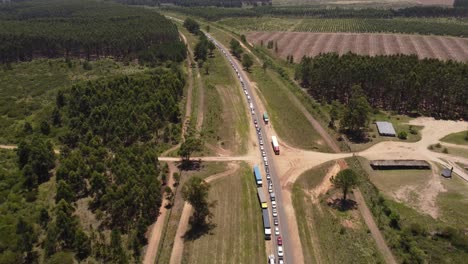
[274,143]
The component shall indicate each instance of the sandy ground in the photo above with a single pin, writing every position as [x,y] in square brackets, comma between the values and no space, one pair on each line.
[155,230]
[178,247]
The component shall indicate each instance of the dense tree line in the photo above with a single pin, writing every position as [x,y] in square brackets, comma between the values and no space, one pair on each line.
[213,13]
[114,127]
[86,29]
[460,3]
[400,83]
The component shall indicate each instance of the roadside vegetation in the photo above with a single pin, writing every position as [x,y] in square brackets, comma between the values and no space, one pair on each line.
[173,216]
[441,148]
[329,232]
[225,123]
[460,138]
[413,236]
[237,235]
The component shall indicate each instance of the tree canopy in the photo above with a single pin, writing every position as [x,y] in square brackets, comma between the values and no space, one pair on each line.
[247,62]
[195,191]
[88,29]
[345,180]
[236,48]
[400,83]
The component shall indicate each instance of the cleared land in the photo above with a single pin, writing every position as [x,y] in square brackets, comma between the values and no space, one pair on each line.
[426,26]
[327,234]
[238,232]
[301,44]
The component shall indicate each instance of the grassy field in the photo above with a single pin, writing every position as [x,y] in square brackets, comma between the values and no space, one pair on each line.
[441,148]
[289,122]
[174,214]
[225,120]
[28,89]
[238,235]
[459,138]
[327,234]
[454,201]
[425,26]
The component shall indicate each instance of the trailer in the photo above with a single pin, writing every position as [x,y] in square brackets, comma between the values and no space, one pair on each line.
[261,198]
[258,176]
[266,224]
[274,143]
[265,117]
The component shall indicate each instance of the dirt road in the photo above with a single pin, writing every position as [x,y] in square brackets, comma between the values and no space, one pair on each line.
[157,228]
[178,247]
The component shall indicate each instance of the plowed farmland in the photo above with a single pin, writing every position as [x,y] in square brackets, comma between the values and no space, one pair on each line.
[301,44]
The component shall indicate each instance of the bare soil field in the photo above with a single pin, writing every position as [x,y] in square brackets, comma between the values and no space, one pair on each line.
[301,44]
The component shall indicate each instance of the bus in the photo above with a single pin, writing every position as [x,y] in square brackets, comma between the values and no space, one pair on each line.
[261,198]
[258,176]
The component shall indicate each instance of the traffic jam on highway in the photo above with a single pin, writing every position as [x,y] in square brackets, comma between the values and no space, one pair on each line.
[257,173]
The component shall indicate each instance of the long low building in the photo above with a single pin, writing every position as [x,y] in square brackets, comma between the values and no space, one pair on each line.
[400,165]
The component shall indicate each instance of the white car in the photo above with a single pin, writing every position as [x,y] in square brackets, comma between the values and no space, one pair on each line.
[270,188]
[266,163]
[275,212]
[268,176]
[273,204]
[280,251]
[271,259]
[263,153]
[262,148]
[277,231]
[265,159]
[261,142]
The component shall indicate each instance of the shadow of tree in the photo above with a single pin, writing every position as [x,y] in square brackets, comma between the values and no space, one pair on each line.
[188,165]
[342,205]
[198,230]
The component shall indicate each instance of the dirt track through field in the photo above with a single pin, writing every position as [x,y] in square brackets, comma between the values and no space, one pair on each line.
[178,247]
[301,44]
[156,229]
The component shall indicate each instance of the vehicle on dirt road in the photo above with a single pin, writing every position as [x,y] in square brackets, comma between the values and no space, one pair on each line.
[280,251]
[277,231]
[271,259]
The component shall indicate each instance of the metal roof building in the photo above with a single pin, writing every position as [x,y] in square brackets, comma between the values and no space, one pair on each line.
[400,165]
[447,173]
[385,129]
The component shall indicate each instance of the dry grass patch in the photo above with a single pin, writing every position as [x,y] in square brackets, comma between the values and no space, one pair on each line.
[238,233]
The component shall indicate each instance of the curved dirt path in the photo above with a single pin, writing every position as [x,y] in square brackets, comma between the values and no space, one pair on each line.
[178,247]
[156,230]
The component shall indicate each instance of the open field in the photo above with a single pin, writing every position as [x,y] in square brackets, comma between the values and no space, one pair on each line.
[28,89]
[289,122]
[459,138]
[441,148]
[423,26]
[238,234]
[301,44]
[226,125]
[327,234]
[174,214]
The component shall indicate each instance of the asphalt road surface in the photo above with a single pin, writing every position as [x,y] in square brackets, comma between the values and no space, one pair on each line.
[282,218]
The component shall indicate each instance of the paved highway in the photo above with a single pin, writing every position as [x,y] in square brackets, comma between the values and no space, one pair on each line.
[282,218]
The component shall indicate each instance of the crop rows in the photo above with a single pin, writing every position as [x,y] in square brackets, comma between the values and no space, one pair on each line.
[428,26]
[301,44]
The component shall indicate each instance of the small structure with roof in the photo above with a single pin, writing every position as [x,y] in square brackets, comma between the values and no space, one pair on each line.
[447,173]
[385,129]
[400,165]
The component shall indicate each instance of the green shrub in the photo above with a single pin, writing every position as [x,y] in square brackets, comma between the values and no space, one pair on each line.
[445,150]
[402,135]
